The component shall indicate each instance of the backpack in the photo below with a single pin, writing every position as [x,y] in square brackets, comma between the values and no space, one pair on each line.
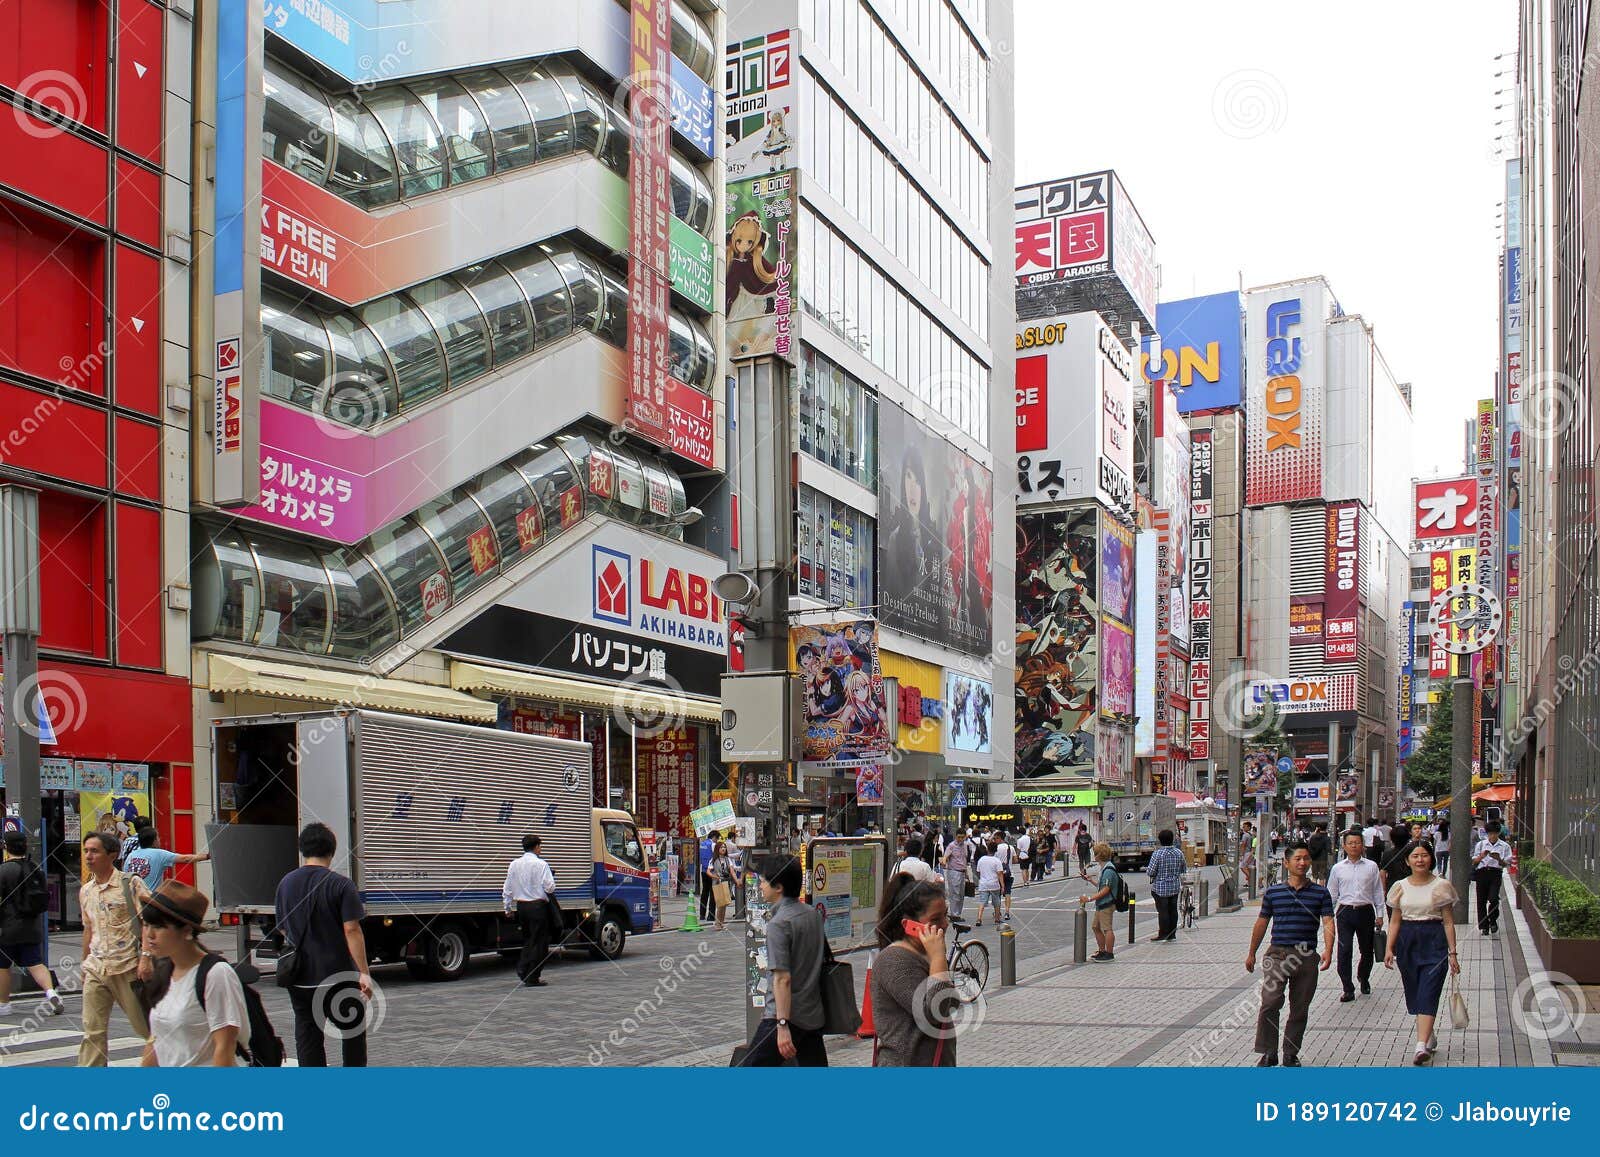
[32,897]
[1122,893]
[261,1049]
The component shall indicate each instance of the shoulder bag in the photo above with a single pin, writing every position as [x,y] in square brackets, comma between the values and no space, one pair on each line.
[840,1016]
[1459,1019]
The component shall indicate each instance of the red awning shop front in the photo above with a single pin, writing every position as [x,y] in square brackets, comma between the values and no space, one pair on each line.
[1496,793]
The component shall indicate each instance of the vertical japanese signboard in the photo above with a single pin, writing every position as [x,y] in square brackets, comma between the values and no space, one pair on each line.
[1163,524]
[1407,666]
[1341,583]
[1285,398]
[1438,580]
[649,217]
[1200,486]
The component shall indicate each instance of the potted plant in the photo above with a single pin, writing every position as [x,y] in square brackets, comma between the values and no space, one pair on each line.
[1564,918]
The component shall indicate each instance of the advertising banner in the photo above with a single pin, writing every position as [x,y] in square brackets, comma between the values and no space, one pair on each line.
[1176,482]
[1485,529]
[1200,490]
[1074,413]
[869,785]
[1300,696]
[1064,229]
[669,778]
[1407,674]
[1312,796]
[1260,771]
[1116,569]
[649,214]
[758,284]
[1439,665]
[762,100]
[1113,760]
[1116,668]
[1445,508]
[1463,569]
[1144,663]
[692,265]
[935,519]
[1284,408]
[1341,582]
[1057,642]
[714,817]
[1305,622]
[1133,253]
[969,720]
[1199,351]
[846,716]
[1163,670]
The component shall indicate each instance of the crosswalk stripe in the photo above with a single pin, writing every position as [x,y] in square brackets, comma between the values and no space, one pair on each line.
[15,1040]
[42,1056]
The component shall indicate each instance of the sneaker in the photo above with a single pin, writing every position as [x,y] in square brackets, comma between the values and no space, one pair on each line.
[1102,956]
[1433,1043]
[1291,1063]
[53,1006]
[1422,1056]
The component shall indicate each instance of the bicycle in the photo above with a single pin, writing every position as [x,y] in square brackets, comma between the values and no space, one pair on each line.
[1188,909]
[968,964]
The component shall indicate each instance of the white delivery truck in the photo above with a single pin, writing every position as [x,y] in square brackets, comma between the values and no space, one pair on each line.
[1130,823]
[428,815]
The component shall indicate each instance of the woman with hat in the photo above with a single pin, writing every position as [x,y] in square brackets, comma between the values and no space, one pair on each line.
[183,1032]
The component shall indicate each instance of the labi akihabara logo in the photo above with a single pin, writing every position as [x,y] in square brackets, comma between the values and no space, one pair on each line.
[613,593]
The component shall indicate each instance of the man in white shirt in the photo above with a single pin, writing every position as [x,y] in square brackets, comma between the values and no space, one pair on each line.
[1490,858]
[1369,834]
[912,863]
[1358,906]
[1024,848]
[529,887]
[736,864]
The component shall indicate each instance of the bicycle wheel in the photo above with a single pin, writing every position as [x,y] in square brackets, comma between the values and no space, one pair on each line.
[969,970]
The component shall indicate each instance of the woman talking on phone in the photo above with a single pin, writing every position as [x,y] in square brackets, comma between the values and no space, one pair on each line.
[911,990]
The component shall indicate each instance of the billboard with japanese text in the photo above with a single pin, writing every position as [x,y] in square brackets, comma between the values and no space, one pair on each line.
[1341,582]
[1086,226]
[1445,508]
[846,714]
[1200,558]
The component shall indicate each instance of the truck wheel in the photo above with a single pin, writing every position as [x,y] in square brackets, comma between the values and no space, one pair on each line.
[607,942]
[446,952]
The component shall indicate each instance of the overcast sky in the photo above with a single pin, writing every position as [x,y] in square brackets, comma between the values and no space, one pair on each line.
[1275,140]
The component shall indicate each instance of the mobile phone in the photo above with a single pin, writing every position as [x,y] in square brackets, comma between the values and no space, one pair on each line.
[914,929]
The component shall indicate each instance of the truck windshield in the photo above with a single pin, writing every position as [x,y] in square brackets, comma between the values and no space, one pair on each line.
[622,842]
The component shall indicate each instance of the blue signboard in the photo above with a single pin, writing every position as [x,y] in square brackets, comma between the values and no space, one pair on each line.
[1202,357]
[693,109]
[1285,765]
[339,34]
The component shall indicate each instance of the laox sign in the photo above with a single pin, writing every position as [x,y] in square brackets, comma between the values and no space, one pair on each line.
[1287,691]
[1283,387]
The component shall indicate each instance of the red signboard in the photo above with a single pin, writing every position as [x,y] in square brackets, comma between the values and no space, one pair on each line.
[669,779]
[689,414]
[649,218]
[1305,622]
[1438,581]
[1341,583]
[1444,508]
[1033,404]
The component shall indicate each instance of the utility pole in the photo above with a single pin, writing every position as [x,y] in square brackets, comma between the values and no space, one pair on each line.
[19,620]
[1461,691]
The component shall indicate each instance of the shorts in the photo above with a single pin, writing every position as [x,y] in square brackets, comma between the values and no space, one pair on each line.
[1102,919]
[1009,880]
[21,955]
[989,898]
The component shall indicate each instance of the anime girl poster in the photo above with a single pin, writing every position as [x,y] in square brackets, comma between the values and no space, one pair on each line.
[1116,571]
[846,715]
[1116,678]
[757,289]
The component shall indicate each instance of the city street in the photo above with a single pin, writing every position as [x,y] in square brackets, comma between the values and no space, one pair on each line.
[673,999]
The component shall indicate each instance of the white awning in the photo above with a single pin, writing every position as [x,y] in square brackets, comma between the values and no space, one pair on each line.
[292,681]
[640,702]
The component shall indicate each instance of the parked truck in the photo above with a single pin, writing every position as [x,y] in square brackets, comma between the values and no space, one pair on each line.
[1129,823]
[428,815]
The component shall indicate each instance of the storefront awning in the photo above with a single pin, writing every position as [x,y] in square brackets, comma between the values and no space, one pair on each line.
[1499,793]
[291,681]
[646,702]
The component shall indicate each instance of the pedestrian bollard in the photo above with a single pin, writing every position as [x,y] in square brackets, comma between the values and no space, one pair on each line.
[1205,897]
[1008,957]
[1080,935]
[1132,936]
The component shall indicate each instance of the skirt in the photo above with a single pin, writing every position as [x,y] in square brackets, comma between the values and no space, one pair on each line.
[1423,956]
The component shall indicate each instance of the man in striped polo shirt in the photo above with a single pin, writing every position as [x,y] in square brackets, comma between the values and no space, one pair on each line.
[1293,910]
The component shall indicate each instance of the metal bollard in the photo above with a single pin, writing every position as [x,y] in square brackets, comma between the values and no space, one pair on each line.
[1080,935]
[1008,957]
[1133,908]
[1205,898]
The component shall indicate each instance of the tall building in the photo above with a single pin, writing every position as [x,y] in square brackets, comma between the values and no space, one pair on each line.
[1548,745]
[1328,431]
[868,159]
[95,173]
[463,439]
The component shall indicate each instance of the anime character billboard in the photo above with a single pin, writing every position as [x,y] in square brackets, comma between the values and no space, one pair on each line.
[846,715]
[1057,642]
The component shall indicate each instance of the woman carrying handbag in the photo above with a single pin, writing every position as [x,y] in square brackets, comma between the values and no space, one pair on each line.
[1422,939]
[721,881]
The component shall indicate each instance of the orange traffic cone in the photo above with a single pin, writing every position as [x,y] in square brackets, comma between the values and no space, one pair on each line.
[868,1030]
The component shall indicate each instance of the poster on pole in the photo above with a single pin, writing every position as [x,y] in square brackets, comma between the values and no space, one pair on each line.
[846,716]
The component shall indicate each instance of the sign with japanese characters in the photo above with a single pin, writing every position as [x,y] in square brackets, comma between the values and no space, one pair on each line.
[649,214]
[1064,229]
[761,105]
[1445,508]
[1074,398]
[1200,557]
[758,283]
[1341,583]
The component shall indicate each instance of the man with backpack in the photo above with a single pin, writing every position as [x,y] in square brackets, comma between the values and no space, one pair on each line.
[23,900]
[112,960]
[1113,897]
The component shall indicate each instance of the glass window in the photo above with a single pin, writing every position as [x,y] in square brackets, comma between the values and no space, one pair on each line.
[457,320]
[416,573]
[510,124]
[364,622]
[363,163]
[238,601]
[413,348]
[361,391]
[553,476]
[458,525]
[618,140]
[632,498]
[504,308]
[552,116]
[680,348]
[295,602]
[622,842]
[546,291]
[297,358]
[417,143]
[691,42]
[706,354]
[466,133]
[691,197]
[586,289]
[615,327]
[297,128]
[588,114]
[509,501]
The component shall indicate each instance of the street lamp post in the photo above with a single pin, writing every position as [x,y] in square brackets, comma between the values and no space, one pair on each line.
[19,621]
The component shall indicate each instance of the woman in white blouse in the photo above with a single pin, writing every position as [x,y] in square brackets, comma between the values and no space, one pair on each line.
[184,1030]
[1422,939]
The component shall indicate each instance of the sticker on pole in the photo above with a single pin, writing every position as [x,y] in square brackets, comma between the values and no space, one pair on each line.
[1466,618]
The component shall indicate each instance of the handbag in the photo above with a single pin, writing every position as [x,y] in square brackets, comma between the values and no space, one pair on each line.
[840,1016]
[721,893]
[1459,1019]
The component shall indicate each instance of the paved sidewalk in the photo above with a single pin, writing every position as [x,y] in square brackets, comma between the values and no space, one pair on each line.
[1192,1003]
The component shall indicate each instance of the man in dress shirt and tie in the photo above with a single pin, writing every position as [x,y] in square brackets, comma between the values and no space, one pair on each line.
[1358,907]
[529,886]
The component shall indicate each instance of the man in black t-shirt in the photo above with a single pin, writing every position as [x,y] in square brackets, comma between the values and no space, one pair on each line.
[319,915]
[1393,864]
